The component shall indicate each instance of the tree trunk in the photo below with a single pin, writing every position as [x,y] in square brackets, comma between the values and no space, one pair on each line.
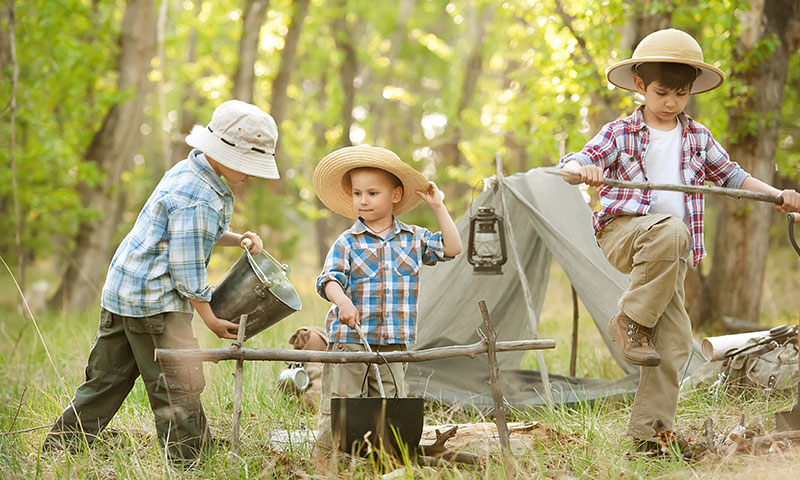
[450,151]
[406,8]
[189,98]
[244,79]
[111,150]
[742,229]
[279,100]
[343,36]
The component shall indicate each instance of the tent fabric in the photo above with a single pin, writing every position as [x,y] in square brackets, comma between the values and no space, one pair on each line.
[550,220]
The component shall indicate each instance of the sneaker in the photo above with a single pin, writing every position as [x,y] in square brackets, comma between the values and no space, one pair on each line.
[634,341]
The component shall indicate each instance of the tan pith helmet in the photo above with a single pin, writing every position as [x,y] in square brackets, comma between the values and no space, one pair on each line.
[332,182]
[671,46]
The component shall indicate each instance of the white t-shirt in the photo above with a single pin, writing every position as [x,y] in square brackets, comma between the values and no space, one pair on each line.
[662,163]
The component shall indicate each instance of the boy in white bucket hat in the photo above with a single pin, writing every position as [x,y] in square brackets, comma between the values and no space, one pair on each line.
[648,234]
[371,273]
[156,280]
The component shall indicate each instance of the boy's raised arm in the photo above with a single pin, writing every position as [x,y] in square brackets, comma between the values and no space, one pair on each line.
[435,199]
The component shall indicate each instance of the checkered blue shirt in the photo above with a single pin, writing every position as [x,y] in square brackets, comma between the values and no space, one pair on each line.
[620,149]
[161,263]
[381,277]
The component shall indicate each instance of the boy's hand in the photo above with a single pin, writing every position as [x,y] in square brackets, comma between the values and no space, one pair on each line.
[348,313]
[433,196]
[220,327]
[255,245]
[791,201]
[589,174]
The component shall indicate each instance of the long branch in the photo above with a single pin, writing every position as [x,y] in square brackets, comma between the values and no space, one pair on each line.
[216,354]
[729,192]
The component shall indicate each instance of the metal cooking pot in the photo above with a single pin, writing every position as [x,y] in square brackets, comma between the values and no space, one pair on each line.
[352,418]
[255,285]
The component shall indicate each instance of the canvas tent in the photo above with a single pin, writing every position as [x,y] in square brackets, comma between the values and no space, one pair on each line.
[550,220]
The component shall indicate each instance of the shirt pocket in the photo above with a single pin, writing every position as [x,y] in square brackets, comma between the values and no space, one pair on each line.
[406,261]
[153,325]
[364,263]
[630,168]
[696,165]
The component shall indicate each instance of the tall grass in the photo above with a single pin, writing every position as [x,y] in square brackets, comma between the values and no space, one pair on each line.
[591,443]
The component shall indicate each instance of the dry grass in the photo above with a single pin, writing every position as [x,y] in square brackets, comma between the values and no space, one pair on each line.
[34,391]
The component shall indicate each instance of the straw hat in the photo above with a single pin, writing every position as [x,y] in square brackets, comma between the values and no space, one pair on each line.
[240,136]
[332,182]
[673,46]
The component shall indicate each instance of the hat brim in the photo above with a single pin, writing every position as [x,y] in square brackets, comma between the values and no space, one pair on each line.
[333,187]
[251,163]
[621,74]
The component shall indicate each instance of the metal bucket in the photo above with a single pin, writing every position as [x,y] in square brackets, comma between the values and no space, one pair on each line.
[255,285]
[353,418]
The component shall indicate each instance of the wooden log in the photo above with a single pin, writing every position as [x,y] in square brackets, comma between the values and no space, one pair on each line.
[573,353]
[490,337]
[736,193]
[231,353]
[765,441]
[437,448]
[238,387]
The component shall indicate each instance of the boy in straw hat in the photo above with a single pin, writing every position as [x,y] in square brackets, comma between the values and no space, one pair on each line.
[156,280]
[649,234]
[371,273]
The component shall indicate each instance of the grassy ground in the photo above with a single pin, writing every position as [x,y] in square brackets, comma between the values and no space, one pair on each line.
[42,363]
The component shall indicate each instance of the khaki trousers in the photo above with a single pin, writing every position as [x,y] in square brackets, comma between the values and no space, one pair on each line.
[122,351]
[653,251]
[346,381]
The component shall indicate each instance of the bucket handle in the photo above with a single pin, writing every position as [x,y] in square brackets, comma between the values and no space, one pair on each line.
[366,375]
[262,277]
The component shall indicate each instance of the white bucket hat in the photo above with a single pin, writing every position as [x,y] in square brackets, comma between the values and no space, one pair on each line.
[240,136]
[670,46]
[332,182]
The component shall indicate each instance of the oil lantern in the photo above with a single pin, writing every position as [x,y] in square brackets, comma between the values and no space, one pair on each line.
[487,242]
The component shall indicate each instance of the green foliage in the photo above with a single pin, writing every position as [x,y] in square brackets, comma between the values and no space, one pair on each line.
[538,93]
[65,50]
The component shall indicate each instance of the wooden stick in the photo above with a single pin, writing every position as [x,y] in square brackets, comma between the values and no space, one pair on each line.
[490,338]
[573,354]
[231,353]
[729,192]
[237,389]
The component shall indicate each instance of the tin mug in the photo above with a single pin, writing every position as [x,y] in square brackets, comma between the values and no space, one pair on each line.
[293,379]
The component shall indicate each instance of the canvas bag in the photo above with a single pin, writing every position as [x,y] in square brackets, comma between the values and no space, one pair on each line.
[768,362]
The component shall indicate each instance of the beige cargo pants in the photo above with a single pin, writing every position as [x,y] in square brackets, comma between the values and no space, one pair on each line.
[653,250]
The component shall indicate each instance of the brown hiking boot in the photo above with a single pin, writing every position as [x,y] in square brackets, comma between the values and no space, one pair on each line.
[634,341]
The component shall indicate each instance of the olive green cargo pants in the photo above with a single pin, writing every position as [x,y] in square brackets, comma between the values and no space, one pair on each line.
[122,351]
[653,250]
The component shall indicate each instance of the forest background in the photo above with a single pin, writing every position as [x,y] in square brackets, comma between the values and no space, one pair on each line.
[97,97]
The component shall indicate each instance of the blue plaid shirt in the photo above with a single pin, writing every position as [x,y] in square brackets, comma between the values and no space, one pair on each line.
[381,277]
[161,263]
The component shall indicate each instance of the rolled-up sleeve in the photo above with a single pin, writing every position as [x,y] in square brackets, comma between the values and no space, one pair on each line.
[336,268]
[600,150]
[719,167]
[432,247]
[191,237]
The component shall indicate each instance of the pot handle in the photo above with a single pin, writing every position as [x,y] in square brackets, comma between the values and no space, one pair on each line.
[262,277]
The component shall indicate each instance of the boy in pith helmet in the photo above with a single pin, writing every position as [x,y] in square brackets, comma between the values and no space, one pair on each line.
[371,273]
[649,234]
[157,279]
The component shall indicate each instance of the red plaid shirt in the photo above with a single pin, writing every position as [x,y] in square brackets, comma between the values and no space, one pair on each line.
[620,149]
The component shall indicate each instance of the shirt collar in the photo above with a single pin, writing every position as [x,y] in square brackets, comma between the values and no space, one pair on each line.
[637,119]
[360,228]
[207,173]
